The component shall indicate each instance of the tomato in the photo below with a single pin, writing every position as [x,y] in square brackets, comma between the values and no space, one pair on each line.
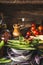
[32,28]
[40,28]
[28,33]
[35,32]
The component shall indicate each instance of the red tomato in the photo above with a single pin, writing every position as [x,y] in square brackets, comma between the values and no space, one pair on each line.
[32,28]
[40,28]
[35,32]
[28,33]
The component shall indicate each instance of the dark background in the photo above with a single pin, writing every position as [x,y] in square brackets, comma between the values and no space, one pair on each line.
[13,13]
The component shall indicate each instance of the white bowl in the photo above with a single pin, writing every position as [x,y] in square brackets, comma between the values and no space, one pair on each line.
[19,55]
[18,51]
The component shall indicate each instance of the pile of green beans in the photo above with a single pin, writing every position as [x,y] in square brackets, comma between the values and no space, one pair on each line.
[4,60]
